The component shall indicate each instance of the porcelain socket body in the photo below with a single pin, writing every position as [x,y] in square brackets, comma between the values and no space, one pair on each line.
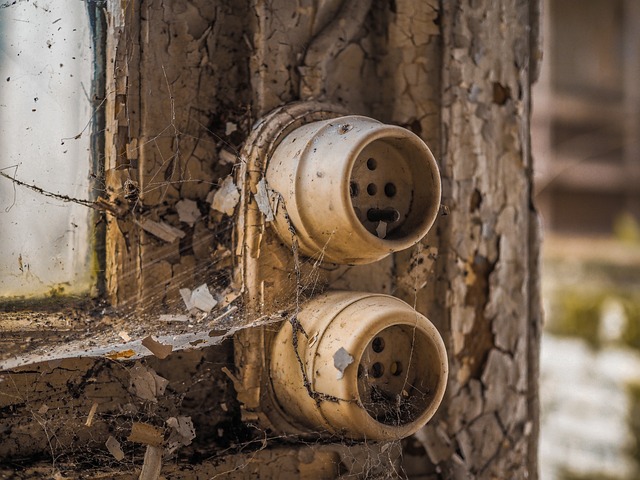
[354,190]
[378,368]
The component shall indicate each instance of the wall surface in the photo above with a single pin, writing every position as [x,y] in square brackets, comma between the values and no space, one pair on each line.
[186,80]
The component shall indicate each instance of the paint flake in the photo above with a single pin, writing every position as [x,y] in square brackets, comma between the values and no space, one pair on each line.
[202,299]
[226,197]
[182,434]
[114,448]
[262,199]
[146,383]
[188,211]
[162,230]
[160,350]
[341,360]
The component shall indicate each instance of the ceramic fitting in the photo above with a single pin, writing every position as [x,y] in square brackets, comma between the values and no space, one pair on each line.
[375,367]
[354,189]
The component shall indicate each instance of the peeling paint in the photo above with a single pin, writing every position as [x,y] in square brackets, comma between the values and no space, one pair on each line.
[186,81]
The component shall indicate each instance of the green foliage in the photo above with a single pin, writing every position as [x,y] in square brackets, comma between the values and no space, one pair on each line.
[631,335]
[627,228]
[577,315]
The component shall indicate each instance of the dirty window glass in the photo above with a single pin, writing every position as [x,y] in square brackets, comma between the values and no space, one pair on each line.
[45,140]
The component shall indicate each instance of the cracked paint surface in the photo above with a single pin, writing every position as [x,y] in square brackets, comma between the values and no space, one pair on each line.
[455,73]
[459,76]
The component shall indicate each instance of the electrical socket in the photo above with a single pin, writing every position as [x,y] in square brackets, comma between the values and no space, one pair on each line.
[354,189]
[323,371]
[370,367]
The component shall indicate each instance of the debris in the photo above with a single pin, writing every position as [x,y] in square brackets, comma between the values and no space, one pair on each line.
[113,446]
[225,314]
[183,426]
[381,229]
[220,253]
[152,463]
[145,383]
[105,205]
[175,318]
[225,157]
[145,433]
[120,355]
[43,409]
[226,197]
[183,433]
[162,230]
[160,350]
[130,409]
[230,128]
[188,211]
[202,299]
[262,199]
[341,360]
[124,336]
[230,297]
[92,413]
[420,269]
[185,293]
[237,383]
[217,332]
[131,189]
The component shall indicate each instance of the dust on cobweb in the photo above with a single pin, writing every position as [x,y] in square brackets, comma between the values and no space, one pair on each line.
[208,301]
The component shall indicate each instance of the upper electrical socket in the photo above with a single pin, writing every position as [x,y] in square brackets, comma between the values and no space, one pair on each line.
[354,189]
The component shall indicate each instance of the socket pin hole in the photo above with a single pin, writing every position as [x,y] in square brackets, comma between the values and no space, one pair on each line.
[377,344]
[377,370]
[396,369]
[354,189]
[372,189]
[372,164]
[390,190]
[388,215]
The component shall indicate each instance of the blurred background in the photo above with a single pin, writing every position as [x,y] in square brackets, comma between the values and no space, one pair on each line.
[585,132]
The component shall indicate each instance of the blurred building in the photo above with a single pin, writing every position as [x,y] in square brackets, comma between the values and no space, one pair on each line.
[586,144]
[586,124]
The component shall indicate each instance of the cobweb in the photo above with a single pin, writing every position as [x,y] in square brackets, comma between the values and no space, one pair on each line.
[203,303]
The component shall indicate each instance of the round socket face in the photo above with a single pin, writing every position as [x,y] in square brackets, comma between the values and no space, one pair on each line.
[395,382]
[381,188]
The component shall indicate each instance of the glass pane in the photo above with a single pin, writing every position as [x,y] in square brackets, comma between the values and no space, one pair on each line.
[45,113]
